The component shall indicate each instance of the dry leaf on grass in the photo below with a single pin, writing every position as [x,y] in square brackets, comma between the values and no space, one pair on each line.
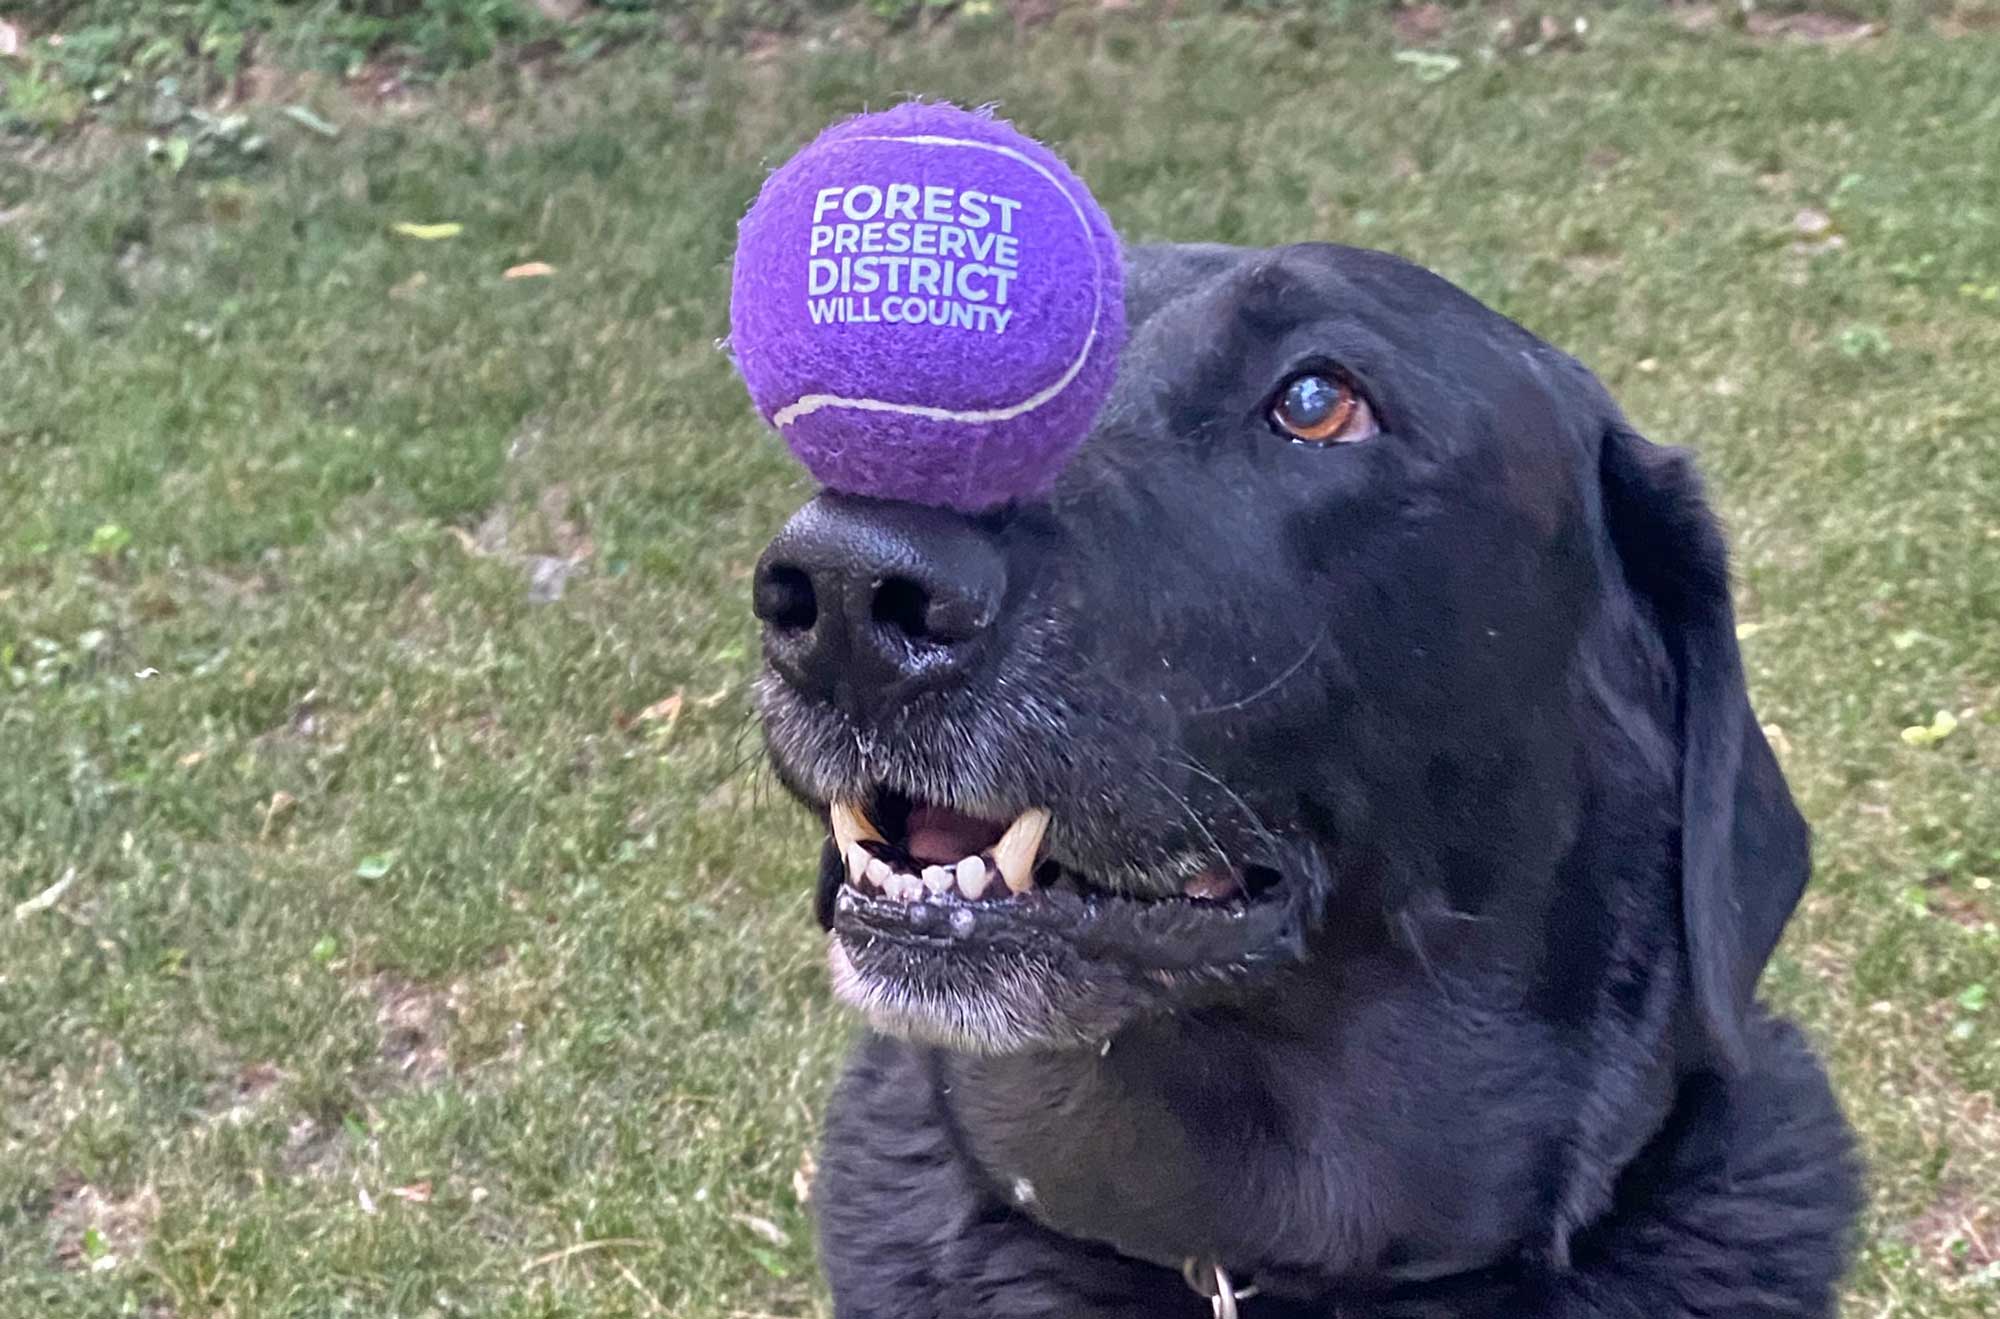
[666,710]
[281,805]
[529,270]
[47,898]
[428,233]
[803,1175]
[10,39]
[764,1228]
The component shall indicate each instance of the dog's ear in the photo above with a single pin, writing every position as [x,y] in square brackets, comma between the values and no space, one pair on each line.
[1745,851]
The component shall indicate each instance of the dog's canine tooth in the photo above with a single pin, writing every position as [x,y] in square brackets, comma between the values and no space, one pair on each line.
[858,861]
[1014,854]
[851,826]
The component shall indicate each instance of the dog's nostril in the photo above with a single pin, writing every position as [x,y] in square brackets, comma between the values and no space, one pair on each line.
[905,606]
[920,613]
[785,599]
[953,617]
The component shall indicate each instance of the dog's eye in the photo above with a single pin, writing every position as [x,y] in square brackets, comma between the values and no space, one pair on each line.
[1317,408]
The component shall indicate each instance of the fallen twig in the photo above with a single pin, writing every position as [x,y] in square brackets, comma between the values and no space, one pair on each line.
[581,1248]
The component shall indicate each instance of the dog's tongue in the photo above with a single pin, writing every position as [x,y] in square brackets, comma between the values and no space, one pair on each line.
[941,836]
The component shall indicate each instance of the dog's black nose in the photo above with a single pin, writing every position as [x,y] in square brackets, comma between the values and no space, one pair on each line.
[864,602]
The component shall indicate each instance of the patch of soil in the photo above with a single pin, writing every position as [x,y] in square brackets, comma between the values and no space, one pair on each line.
[1812,26]
[243,1095]
[91,1228]
[415,1020]
[1960,1231]
[1421,24]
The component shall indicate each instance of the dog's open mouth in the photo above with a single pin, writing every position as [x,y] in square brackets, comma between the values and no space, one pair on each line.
[974,930]
[909,851]
[939,851]
[931,879]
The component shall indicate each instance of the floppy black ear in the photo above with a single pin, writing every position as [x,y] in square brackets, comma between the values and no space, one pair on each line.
[1745,850]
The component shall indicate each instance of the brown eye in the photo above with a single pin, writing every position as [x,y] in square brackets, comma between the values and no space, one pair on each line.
[1316,408]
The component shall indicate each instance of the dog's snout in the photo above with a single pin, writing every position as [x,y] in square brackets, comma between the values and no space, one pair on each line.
[863,601]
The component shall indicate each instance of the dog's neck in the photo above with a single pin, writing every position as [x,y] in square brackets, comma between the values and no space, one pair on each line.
[1265,1138]
[1085,1143]
[1218,1139]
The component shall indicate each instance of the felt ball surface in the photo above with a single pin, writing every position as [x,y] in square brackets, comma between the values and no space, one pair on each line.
[929,306]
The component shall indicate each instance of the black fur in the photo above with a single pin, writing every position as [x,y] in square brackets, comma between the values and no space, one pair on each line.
[1470,690]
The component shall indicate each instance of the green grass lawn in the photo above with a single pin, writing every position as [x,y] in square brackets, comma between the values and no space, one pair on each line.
[425,937]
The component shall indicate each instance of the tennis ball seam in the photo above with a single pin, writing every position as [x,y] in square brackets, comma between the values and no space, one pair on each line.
[807,404]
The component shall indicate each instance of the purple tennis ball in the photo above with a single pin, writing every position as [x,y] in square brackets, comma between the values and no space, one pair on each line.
[929,307]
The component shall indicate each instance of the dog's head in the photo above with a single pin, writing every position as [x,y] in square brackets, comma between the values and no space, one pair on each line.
[1362,622]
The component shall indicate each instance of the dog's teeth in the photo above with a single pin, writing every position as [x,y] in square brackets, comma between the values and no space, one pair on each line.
[971,878]
[936,880]
[879,872]
[1014,854]
[851,827]
[857,862]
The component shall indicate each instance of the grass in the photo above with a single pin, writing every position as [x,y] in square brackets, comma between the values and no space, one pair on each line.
[424,942]
[136,62]
[117,60]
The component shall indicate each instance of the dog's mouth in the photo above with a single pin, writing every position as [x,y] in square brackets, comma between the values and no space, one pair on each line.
[937,852]
[908,851]
[971,929]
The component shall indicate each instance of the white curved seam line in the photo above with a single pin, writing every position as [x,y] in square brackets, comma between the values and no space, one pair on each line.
[808,404]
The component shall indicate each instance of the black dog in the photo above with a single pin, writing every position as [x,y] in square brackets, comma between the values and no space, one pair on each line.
[1324,850]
